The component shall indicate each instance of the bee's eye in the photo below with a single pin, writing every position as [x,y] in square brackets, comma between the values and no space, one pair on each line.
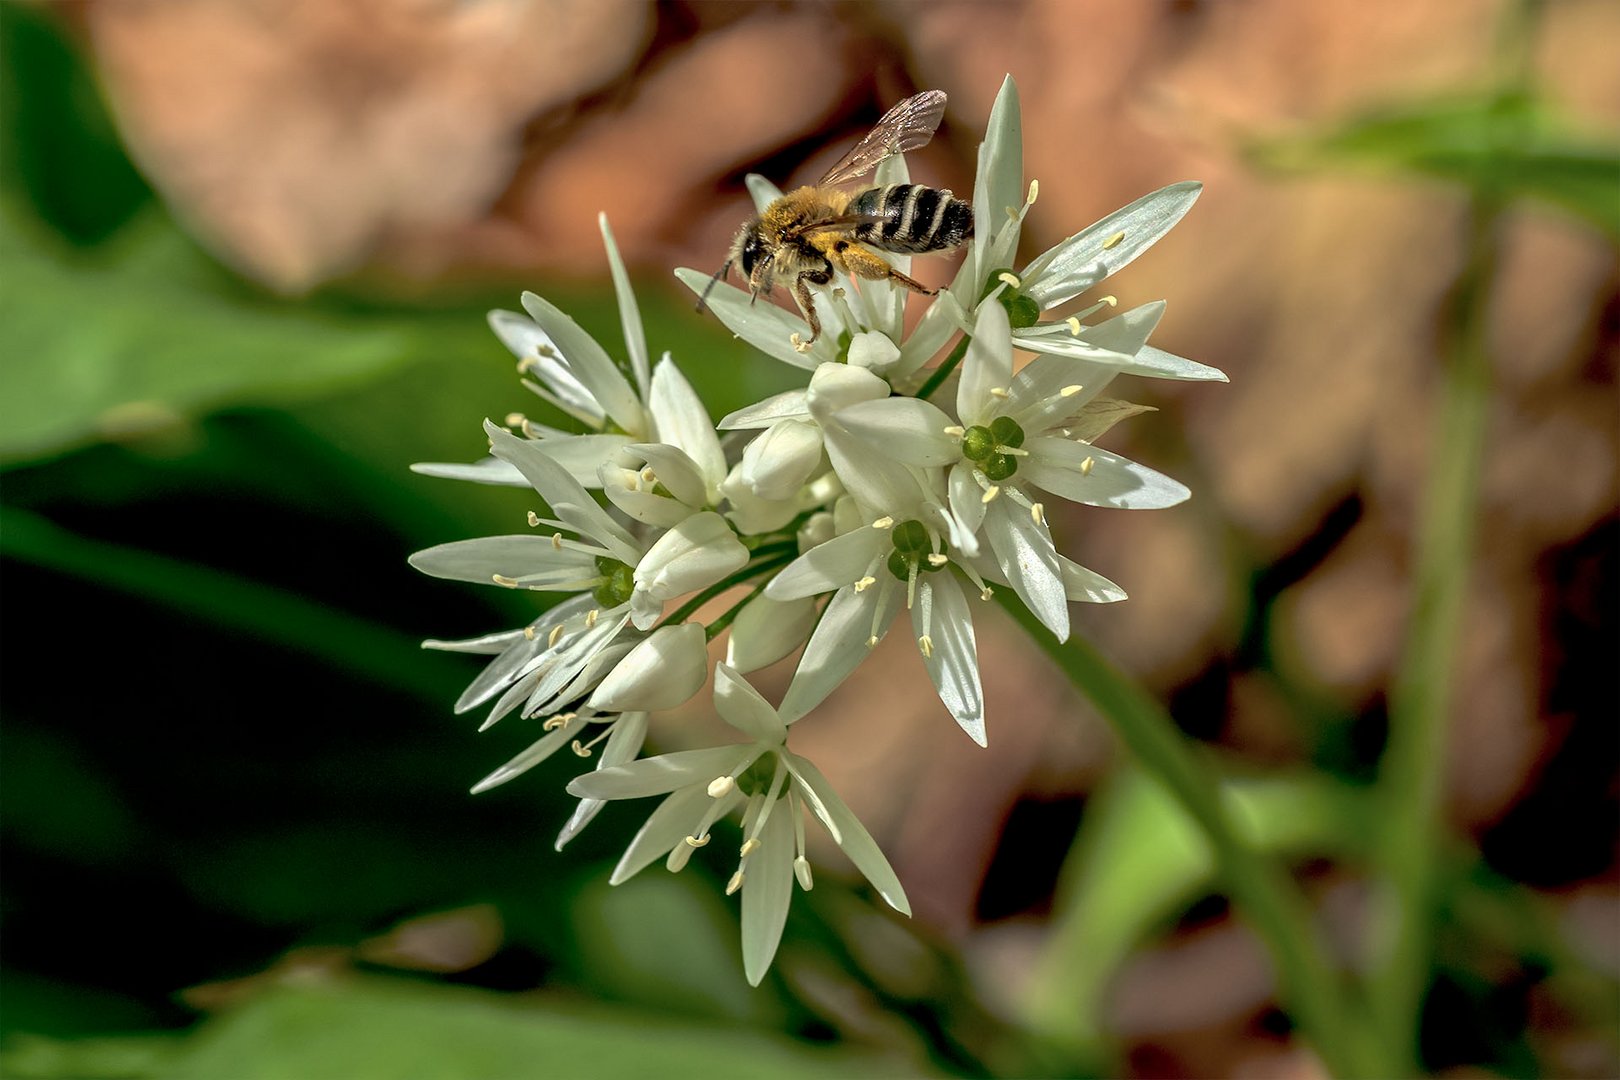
[750,255]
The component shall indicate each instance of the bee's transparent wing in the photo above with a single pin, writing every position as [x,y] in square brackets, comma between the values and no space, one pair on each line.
[907,126]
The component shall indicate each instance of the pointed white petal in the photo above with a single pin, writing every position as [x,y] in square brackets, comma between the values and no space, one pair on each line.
[1100,250]
[908,429]
[657,775]
[966,496]
[697,553]
[767,889]
[683,422]
[1056,465]
[582,455]
[829,566]
[527,341]
[1158,364]
[486,644]
[491,470]
[762,191]
[954,665]
[590,364]
[541,749]
[1002,171]
[987,365]
[569,501]
[839,644]
[767,630]
[648,507]
[660,673]
[533,558]
[763,325]
[1024,551]
[741,706]
[623,744]
[1126,332]
[1099,416]
[635,338]
[1088,586]
[676,470]
[674,819]
[927,338]
[851,835]
[788,405]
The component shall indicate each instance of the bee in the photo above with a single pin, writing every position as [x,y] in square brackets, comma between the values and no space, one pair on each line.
[808,233]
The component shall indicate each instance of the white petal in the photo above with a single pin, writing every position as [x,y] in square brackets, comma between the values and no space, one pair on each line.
[676,470]
[1055,465]
[908,429]
[1099,416]
[674,819]
[541,749]
[660,673]
[829,566]
[873,351]
[578,662]
[1126,332]
[1024,551]
[781,461]
[581,455]
[1088,586]
[763,325]
[648,507]
[839,644]
[741,706]
[697,553]
[850,833]
[762,191]
[590,364]
[767,889]
[788,405]
[1158,364]
[623,744]
[1002,168]
[927,338]
[1100,250]
[967,497]
[667,772]
[486,644]
[683,422]
[635,338]
[838,386]
[528,341]
[490,470]
[751,514]
[569,501]
[766,630]
[532,558]
[954,665]
[987,365]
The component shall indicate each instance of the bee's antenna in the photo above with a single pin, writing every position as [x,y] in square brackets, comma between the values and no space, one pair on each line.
[709,288]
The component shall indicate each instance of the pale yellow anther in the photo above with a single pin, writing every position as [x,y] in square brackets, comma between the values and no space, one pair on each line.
[990,494]
[720,787]
[986,593]
[591,616]
[515,419]
[527,364]
[1070,390]
[865,583]
[884,522]
[1087,465]
[936,559]
[1111,301]
[801,870]
[531,429]
[1034,193]
[696,841]
[528,633]
[579,748]
[534,519]
[750,845]
[503,580]
[1008,278]
[925,645]
[955,431]
[554,637]
[554,722]
[647,475]
[871,642]
[1113,241]
[544,349]
[799,344]
[1037,513]
[735,883]
[556,541]
[1075,325]
[1000,392]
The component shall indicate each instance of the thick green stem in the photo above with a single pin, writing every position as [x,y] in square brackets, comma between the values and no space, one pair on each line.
[1261,890]
[946,366]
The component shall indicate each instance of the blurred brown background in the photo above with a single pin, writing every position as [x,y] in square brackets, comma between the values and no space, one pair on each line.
[406,146]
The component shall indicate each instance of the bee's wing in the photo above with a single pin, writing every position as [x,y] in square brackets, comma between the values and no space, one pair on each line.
[841,222]
[907,126]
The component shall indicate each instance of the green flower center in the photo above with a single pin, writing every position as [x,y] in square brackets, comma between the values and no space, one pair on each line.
[912,546]
[987,446]
[616,583]
[757,777]
[1021,310]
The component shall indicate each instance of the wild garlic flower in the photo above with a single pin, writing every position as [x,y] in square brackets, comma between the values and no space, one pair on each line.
[701,787]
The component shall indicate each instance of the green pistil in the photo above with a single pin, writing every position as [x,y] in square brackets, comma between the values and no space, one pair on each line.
[617,582]
[1021,310]
[912,546]
[757,777]
[987,446]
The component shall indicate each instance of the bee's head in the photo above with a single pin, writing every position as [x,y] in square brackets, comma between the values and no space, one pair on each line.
[752,257]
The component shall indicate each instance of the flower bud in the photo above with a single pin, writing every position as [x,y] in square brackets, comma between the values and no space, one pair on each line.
[660,673]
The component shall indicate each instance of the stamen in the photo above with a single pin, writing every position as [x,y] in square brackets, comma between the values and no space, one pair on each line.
[1074,325]
[560,720]
[697,841]
[647,476]
[1087,465]
[582,751]
[585,750]
[871,642]
[990,494]
[545,349]
[515,419]
[1111,301]
[503,580]
[1070,390]
[801,870]
[591,616]
[556,541]
[884,522]
[1034,193]
[1037,513]
[1113,241]
[528,364]
[799,345]
[555,636]
[1000,392]
[937,559]
[751,845]
[865,583]
[926,645]
[534,520]
[735,883]
[1011,451]
[1008,278]
[955,431]
[986,593]
[721,786]
[531,429]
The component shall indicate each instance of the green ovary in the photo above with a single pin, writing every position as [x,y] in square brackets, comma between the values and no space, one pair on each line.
[616,584]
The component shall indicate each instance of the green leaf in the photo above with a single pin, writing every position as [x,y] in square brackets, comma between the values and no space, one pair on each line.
[1510,144]
[371,1029]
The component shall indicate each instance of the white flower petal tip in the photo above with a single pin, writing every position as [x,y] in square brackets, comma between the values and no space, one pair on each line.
[660,673]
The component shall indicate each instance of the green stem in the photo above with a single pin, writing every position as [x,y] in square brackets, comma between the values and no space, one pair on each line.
[1413,767]
[1309,986]
[946,366]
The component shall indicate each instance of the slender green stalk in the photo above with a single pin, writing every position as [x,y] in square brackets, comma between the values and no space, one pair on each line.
[1413,765]
[1261,891]
[946,366]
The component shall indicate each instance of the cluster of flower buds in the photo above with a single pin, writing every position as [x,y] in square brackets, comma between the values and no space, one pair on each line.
[884,485]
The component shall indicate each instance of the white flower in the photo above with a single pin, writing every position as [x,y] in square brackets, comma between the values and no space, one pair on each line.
[703,786]
[661,672]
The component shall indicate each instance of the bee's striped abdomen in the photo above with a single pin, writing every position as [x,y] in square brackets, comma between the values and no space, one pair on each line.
[911,218]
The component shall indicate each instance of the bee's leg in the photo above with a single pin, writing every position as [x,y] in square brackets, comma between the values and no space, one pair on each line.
[859,262]
[801,293]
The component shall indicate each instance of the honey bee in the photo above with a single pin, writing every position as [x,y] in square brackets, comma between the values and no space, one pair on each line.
[808,233]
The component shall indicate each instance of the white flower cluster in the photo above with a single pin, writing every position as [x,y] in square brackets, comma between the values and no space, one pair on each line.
[856,498]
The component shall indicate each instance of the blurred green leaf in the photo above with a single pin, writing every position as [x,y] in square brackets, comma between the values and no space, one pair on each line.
[376,1028]
[1512,144]
[1139,859]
